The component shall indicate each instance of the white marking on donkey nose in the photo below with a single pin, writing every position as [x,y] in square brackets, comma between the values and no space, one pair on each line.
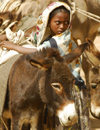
[68,115]
[95,110]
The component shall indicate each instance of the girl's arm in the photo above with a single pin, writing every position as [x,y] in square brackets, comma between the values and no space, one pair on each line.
[3,37]
[11,46]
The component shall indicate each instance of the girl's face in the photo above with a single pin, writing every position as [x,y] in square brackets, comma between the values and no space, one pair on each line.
[59,23]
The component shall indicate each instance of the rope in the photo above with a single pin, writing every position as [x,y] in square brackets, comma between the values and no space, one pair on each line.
[4,123]
[89,15]
[96,16]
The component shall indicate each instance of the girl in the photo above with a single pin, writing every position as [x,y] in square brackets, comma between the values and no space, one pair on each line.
[53,30]
[53,23]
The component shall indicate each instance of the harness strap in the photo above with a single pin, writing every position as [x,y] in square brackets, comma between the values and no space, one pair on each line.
[89,15]
[53,43]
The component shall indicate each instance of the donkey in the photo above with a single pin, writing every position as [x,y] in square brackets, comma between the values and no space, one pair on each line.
[38,79]
[94,79]
[91,68]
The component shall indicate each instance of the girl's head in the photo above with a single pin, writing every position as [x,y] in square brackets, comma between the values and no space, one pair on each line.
[54,20]
[59,20]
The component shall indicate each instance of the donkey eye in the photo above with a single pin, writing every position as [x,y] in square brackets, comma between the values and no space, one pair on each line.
[56,86]
[93,85]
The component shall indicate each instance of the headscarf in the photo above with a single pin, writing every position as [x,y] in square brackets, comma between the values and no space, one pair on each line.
[43,31]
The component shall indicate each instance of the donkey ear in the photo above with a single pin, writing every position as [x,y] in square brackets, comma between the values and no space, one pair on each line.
[76,53]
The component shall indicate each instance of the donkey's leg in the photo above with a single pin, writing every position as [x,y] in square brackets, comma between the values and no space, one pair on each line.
[35,124]
[15,125]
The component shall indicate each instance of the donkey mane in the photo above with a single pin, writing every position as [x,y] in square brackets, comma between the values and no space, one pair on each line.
[46,53]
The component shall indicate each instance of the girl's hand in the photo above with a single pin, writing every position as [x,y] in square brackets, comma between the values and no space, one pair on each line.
[7,44]
[11,46]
